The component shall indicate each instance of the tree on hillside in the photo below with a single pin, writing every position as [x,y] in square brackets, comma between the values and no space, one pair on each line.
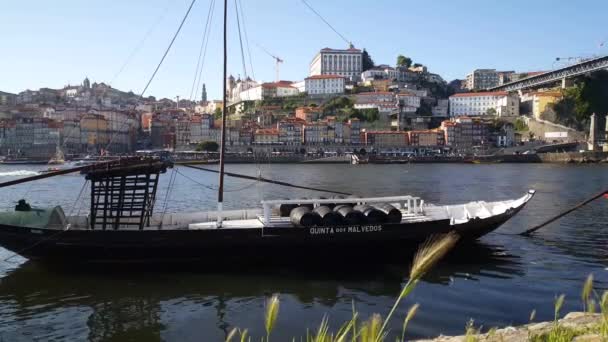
[403,61]
[367,61]
[589,95]
[208,146]
[218,113]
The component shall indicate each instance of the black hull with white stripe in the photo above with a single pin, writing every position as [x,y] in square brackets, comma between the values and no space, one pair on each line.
[235,242]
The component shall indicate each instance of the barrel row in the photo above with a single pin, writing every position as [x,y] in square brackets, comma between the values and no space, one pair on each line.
[341,214]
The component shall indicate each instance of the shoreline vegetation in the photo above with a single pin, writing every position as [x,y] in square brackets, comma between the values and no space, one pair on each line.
[589,325]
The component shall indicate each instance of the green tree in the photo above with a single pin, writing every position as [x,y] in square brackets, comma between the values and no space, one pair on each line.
[491,111]
[403,61]
[208,146]
[218,113]
[367,61]
[520,125]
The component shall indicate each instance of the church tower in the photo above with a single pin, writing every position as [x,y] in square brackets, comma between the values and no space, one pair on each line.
[204,94]
[86,84]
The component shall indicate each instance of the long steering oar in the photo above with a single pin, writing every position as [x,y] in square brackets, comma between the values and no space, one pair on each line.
[562,214]
[266,180]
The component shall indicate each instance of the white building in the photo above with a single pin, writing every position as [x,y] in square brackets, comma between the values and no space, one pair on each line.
[300,85]
[347,63]
[324,84]
[268,90]
[498,103]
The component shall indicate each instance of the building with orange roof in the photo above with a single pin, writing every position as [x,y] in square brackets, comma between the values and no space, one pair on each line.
[431,137]
[308,114]
[385,138]
[464,131]
[290,131]
[266,136]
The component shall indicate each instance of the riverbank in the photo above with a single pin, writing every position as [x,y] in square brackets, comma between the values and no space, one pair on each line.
[575,326]
[560,158]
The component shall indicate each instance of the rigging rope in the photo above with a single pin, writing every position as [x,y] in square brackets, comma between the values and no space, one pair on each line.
[200,77]
[262,179]
[325,21]
[200,52]
[141,95]
[246,40]
[238,24]
[215,189]
[140,44]
[167,196]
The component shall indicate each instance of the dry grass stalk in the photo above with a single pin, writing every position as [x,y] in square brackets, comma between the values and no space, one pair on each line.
[410,314]
[586,294]
[431,252]
[272,311]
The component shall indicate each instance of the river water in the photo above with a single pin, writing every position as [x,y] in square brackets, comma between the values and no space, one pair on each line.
[496,282]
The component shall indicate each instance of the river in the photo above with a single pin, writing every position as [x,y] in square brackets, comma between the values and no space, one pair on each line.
[496,282]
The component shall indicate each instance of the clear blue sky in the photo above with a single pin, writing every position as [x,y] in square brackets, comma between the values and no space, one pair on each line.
[53,43]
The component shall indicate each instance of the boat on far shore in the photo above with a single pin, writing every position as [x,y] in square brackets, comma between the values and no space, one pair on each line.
[23,161]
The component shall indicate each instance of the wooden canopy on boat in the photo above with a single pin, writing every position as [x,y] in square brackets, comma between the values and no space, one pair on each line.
[123,192]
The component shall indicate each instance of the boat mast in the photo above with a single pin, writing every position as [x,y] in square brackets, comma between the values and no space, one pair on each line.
[220,193]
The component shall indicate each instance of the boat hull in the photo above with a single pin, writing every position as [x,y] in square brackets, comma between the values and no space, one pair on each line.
[272,244]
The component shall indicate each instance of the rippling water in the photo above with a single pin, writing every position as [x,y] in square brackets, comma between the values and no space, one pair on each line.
[496,282]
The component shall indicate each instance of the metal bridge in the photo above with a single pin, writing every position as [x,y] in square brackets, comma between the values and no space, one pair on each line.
[556,75]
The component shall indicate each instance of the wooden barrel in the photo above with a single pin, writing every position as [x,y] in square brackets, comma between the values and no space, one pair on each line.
[373,215]
[393,214]
[330,205]
[307,205]
[328,216]
[285,209]
[304,217]
[350,215]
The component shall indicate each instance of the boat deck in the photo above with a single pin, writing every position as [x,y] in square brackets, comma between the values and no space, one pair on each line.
[256,218]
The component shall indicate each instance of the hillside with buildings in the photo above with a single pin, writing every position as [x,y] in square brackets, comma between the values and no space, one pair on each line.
[346,102]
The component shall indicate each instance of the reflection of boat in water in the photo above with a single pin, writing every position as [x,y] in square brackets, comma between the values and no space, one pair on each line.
[142,302]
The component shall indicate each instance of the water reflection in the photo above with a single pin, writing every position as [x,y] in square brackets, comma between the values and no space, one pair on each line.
[126,306]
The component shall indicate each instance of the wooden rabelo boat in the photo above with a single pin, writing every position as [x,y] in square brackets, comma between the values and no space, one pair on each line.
[122,227]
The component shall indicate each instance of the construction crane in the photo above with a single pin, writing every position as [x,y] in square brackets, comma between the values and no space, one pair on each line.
[278,61]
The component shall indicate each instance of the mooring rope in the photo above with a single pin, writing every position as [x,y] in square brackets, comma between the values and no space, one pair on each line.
[564,213]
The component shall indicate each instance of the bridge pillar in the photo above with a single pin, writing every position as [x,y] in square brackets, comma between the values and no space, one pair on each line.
[566,83]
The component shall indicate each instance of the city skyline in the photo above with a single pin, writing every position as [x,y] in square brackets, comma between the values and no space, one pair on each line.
[52,51]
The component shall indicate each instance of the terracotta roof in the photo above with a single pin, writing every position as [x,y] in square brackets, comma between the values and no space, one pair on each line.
[488,93]
[280,84]
[425,131]
[316,77]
